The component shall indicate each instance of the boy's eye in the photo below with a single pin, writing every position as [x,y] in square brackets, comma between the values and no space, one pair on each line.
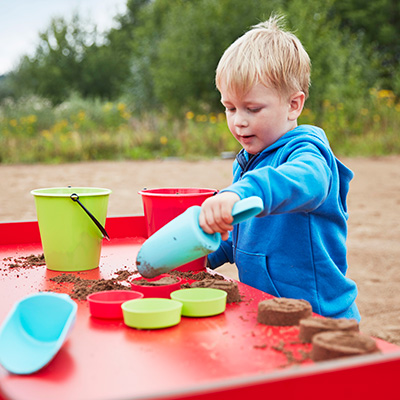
[231,109]
[255,110]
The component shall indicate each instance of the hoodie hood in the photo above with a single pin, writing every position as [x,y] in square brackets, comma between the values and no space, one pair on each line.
[315,134]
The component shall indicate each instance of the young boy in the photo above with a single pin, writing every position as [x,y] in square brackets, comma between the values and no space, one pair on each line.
[297,247]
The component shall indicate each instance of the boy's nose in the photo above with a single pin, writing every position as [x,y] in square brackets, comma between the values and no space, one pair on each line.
[241,119]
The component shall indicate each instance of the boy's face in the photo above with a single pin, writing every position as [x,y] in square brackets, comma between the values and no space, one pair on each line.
[258,118]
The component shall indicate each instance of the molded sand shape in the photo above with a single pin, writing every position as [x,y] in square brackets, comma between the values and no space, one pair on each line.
[161,286]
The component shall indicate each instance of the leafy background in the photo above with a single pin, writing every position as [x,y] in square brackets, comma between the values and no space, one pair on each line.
[145,89]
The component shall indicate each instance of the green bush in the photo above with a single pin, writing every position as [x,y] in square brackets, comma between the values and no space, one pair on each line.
[33,131]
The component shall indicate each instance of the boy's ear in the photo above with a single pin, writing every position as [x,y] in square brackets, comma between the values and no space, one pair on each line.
[296,104]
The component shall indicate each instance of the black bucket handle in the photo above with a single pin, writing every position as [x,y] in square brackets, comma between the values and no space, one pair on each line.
[75,197]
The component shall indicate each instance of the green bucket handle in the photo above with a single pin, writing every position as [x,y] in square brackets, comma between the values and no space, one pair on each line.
[75,197]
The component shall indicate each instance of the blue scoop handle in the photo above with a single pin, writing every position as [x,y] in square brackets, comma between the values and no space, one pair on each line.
[246,208]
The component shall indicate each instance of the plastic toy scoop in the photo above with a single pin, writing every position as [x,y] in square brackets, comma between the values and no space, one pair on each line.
[182,240]
[34,331]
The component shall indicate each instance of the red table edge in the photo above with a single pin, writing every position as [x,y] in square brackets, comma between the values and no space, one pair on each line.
[23,232]
[368,377]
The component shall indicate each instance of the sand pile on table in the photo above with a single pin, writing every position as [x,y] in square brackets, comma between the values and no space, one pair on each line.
[25,261]
[83,287]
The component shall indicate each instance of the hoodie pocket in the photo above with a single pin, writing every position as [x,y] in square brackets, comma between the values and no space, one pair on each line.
[253,271]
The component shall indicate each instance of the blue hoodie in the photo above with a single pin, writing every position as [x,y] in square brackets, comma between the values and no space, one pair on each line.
[297,247]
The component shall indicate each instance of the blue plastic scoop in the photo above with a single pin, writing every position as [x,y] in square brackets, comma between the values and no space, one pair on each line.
[182,240]
[34,331]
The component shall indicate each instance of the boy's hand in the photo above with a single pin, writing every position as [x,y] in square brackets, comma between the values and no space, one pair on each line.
[216,214]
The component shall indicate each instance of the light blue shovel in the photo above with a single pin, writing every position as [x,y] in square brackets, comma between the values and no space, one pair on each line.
[182,240]
[34,331]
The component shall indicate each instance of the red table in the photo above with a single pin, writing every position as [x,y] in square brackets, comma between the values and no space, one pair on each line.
[227,356]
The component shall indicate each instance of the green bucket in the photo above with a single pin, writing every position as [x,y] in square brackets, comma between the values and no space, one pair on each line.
[71,222]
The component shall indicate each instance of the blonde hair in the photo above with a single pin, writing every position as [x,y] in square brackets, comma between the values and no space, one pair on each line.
[265,54]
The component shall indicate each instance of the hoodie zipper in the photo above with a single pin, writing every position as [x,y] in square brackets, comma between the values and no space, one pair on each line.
[245,167]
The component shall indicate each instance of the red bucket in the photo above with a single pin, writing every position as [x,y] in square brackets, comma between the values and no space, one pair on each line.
[164,204]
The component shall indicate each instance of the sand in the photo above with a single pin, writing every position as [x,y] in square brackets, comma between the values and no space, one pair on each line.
[374,207]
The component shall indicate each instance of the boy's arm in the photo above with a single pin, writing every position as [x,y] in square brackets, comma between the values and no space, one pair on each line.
[300,184]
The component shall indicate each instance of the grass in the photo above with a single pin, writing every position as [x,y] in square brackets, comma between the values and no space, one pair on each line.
[31,130]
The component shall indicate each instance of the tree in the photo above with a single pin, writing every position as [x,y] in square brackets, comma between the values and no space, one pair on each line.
[341,72]
[73,57]
[178,47]
[147,19]
[377,23]
[55,68]
[180,42]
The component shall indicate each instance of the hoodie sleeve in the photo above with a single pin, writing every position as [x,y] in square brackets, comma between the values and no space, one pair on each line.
[222,255]
[300,183]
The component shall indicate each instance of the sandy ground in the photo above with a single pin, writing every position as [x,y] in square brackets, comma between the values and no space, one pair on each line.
[374,223]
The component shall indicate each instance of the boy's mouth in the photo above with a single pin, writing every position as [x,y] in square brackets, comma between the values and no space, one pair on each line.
[245,138]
